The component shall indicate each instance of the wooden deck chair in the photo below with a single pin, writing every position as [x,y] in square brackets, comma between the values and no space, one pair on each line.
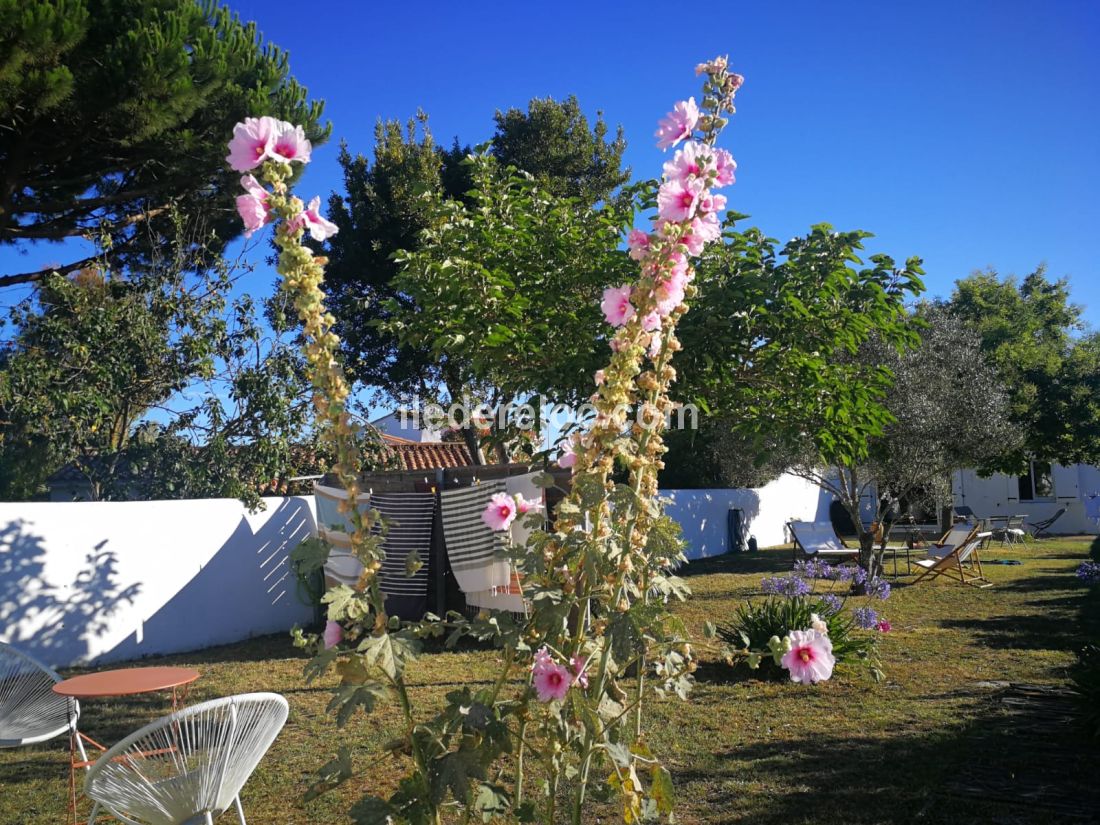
[959,562]
[818,539]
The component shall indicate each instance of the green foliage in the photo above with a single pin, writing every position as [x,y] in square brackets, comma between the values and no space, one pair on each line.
[553,142]
[1086,684]
[1031,332]
[1094,549]
[755,623]
[504,291]
[148,92]
[92,357]
[393,197]
[769,347]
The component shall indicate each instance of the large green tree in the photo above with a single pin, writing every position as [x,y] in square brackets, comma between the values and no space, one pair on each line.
[1034,335]
[151,388]
[388,202]
[112,112]
[502,293]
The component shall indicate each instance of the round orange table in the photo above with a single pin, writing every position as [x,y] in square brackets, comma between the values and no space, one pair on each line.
[125,682]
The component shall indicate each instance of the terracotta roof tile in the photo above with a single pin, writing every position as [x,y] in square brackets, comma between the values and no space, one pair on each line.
[428,455]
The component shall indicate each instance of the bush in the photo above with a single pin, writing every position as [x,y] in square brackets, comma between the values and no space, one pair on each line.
[778,616]
[1094,551]
[1086,684]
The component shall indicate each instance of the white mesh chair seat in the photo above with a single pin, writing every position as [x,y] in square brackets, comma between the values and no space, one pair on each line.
[30,711]
[189,767]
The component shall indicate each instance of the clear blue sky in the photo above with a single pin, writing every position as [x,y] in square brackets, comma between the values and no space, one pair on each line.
[964,132]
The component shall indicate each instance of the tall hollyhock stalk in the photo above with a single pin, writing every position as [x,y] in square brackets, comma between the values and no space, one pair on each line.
[612,548]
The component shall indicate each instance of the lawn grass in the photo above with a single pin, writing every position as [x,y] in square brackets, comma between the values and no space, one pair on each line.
[947,737]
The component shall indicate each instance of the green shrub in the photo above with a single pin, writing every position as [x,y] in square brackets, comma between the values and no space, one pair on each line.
[757,622]
[1094,551]
[1086,683]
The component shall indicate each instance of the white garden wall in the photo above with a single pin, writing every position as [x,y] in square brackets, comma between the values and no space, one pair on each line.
[702,514]
[109,581]
[999,495]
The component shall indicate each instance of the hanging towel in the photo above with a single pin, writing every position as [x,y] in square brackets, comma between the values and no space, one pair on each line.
[1092,507]
[410,518]
[475,552]
[332,526]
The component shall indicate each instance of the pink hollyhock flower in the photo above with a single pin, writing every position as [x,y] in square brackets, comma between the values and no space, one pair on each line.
[500,512]
[688,163]
[884,626]
[651,322]
[709,204]
[600,378]
[616,306]
[333,635]
[290,143]
[542,658]
[677,124]
[615,345]
[677,201]
[311,219]
[580,667]
[252,206]
[725,166]
[810,658]
[670,293]
[638,243]
[707,227]
[526,505]
[693,240]
[568,458]
[552,681]
[252,142]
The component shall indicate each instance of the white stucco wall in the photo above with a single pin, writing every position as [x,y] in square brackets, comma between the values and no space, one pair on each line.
[702,513]
[999,495]
[110,581]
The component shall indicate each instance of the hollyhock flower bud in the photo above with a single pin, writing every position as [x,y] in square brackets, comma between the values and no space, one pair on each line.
[677,124]
[568,458]
[580,666]
[616,306]
[600,378]
[500,512]
[818,624]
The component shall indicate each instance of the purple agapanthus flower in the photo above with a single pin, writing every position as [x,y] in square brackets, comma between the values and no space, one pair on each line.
[792,585]
[879,588]
[832,603]
[1089,572]
[865,617]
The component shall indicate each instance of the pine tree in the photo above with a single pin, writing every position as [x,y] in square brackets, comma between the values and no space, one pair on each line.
[114,111]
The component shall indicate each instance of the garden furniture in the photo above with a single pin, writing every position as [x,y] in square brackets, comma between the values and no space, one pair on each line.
[1039,527]
[957,562]
[109,683]
[818,539]
[189,767]
[30,711]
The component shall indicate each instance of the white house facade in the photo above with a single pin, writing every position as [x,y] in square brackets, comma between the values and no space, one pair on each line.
[1045,489]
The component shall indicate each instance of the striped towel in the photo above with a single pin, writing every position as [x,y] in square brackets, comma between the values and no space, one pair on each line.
[487,578]
[410,517]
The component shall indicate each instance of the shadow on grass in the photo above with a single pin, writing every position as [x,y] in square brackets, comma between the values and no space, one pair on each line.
[1019,760]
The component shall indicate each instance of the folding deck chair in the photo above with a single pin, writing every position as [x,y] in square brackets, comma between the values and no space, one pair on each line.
[818,539]
[958,561]
[1043,526]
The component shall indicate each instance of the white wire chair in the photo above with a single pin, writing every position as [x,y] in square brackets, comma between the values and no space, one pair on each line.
[189,767]
[30,711]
